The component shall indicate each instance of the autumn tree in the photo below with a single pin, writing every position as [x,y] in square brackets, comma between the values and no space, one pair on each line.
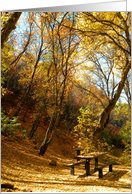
[107,45]
[40,51]
[10,67]
[60,53]
[63,44]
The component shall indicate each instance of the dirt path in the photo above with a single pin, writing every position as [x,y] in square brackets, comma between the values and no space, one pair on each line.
[29,172]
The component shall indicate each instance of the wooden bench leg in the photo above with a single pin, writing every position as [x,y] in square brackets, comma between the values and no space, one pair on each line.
[110,168]
[78,153]
[100,173]
[96,163]
[72,170]
[87,167]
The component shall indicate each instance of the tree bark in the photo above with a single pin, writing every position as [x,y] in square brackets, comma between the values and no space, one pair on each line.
[105,114]
[47,140]
[35,125]
[10,25]
[128,92]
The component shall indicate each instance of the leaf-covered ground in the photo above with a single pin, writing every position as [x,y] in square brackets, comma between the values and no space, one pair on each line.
[27,171]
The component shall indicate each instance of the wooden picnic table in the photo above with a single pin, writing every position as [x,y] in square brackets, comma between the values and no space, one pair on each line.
[88,158]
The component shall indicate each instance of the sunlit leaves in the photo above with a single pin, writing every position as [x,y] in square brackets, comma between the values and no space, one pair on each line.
[108,26]
[4,17]
[87,122]
[6,58]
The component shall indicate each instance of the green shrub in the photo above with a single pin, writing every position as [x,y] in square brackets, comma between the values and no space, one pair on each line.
[125,134]
[8,126]
[112,138]
[106,135]
[24,133]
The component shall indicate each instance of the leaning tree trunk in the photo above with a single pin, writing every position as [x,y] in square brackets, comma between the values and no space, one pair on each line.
[26,113]
[10,25]
[35,125]
[111,105]
[47,140]
[52,126]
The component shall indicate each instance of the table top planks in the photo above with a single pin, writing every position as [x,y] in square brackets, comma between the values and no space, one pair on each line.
[91,155]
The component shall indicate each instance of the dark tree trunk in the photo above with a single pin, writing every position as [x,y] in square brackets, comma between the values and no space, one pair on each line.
[52,126]
[35,125]
[43,148]
[10,25]
[25,114]
[29,107]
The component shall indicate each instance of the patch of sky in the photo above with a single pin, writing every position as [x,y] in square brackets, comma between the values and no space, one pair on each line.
[20,31]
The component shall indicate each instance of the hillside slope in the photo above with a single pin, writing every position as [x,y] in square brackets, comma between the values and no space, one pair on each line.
[22,167]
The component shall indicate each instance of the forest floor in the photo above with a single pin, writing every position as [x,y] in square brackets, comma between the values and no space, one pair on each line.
[22,166]
[28,172]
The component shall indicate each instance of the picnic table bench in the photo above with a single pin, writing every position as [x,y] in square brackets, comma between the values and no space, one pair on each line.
[99,168]
[74,164]
[86,160]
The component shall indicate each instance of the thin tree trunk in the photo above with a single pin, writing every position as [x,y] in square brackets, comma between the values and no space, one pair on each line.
[24,49]
[29,106]
[30,85]
[25,113]
[35,125]
[128,92]
[53,124]
[54,120]
[41,110]
[58,98]
[47,140]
